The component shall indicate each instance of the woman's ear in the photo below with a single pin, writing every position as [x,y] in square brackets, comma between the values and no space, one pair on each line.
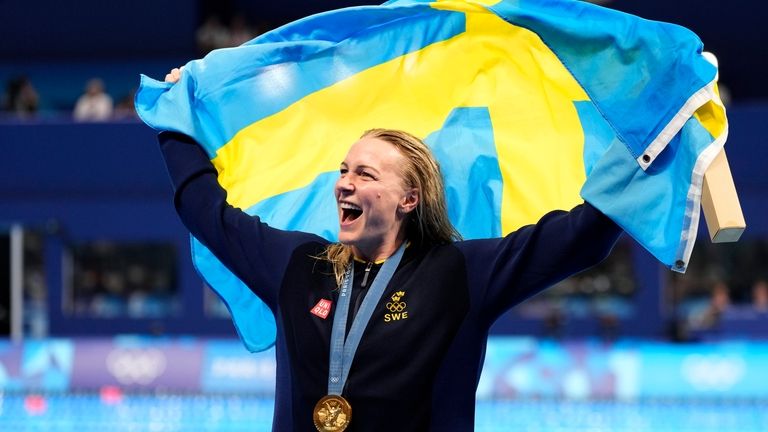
[409,201]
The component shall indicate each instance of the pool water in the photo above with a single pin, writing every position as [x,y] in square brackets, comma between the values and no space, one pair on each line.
[113,411]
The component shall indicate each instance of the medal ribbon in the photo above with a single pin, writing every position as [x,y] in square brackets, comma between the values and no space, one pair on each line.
[343,351]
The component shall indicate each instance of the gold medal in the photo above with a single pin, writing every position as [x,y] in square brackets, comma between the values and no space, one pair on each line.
[332,414]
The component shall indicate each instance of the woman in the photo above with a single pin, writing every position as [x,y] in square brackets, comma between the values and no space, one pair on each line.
[419,301]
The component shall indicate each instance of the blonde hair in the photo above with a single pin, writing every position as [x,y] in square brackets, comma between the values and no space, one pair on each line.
[428,223]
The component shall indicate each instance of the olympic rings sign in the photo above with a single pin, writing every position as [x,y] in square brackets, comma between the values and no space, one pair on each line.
[713,372]
[396,306]
[136,366]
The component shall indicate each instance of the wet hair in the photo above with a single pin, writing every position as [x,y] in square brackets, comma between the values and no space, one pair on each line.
[428,223]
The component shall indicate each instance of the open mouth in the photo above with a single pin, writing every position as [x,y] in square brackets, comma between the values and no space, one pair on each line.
[349,212]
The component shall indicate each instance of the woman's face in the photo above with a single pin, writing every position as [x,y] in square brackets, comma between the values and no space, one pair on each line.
[372,198]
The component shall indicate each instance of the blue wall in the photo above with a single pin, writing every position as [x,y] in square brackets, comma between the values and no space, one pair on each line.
[88,29]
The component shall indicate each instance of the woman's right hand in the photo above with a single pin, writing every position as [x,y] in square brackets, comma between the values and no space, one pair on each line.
[174,75]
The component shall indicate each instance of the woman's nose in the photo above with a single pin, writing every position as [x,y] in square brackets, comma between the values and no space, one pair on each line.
[345,184]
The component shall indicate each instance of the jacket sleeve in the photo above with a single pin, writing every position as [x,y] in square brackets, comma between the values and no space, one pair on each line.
[253,251]
[505,271]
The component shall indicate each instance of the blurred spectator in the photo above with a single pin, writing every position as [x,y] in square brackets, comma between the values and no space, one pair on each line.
[725,94]
[212,35]
[94,104]
[110,301]
[760,296]
[239,31]
[719,302]
[124,280]
[20,97]
[125,108]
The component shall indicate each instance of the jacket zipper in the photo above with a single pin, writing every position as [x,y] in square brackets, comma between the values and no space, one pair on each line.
[367,272]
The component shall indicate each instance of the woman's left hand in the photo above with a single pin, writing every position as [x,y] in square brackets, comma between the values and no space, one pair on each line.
[174,75]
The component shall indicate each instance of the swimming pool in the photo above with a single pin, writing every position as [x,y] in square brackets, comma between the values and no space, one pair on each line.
[114,411]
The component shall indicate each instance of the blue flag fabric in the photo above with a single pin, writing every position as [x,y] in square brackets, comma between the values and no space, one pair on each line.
[529,105]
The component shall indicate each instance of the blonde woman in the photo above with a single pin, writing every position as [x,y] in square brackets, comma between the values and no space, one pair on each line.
[386,329]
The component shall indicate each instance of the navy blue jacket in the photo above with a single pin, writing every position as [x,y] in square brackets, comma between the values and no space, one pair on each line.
[418,364]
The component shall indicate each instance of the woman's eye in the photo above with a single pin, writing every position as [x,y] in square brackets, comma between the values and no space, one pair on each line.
[367,175]
[343,171]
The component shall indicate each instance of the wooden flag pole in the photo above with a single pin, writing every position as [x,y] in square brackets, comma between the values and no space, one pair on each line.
[720,203]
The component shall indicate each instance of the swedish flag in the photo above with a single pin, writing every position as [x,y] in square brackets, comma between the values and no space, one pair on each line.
[529,105]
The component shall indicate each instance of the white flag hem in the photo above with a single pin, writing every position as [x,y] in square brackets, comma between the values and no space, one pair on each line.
[693,201]
[696,101]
